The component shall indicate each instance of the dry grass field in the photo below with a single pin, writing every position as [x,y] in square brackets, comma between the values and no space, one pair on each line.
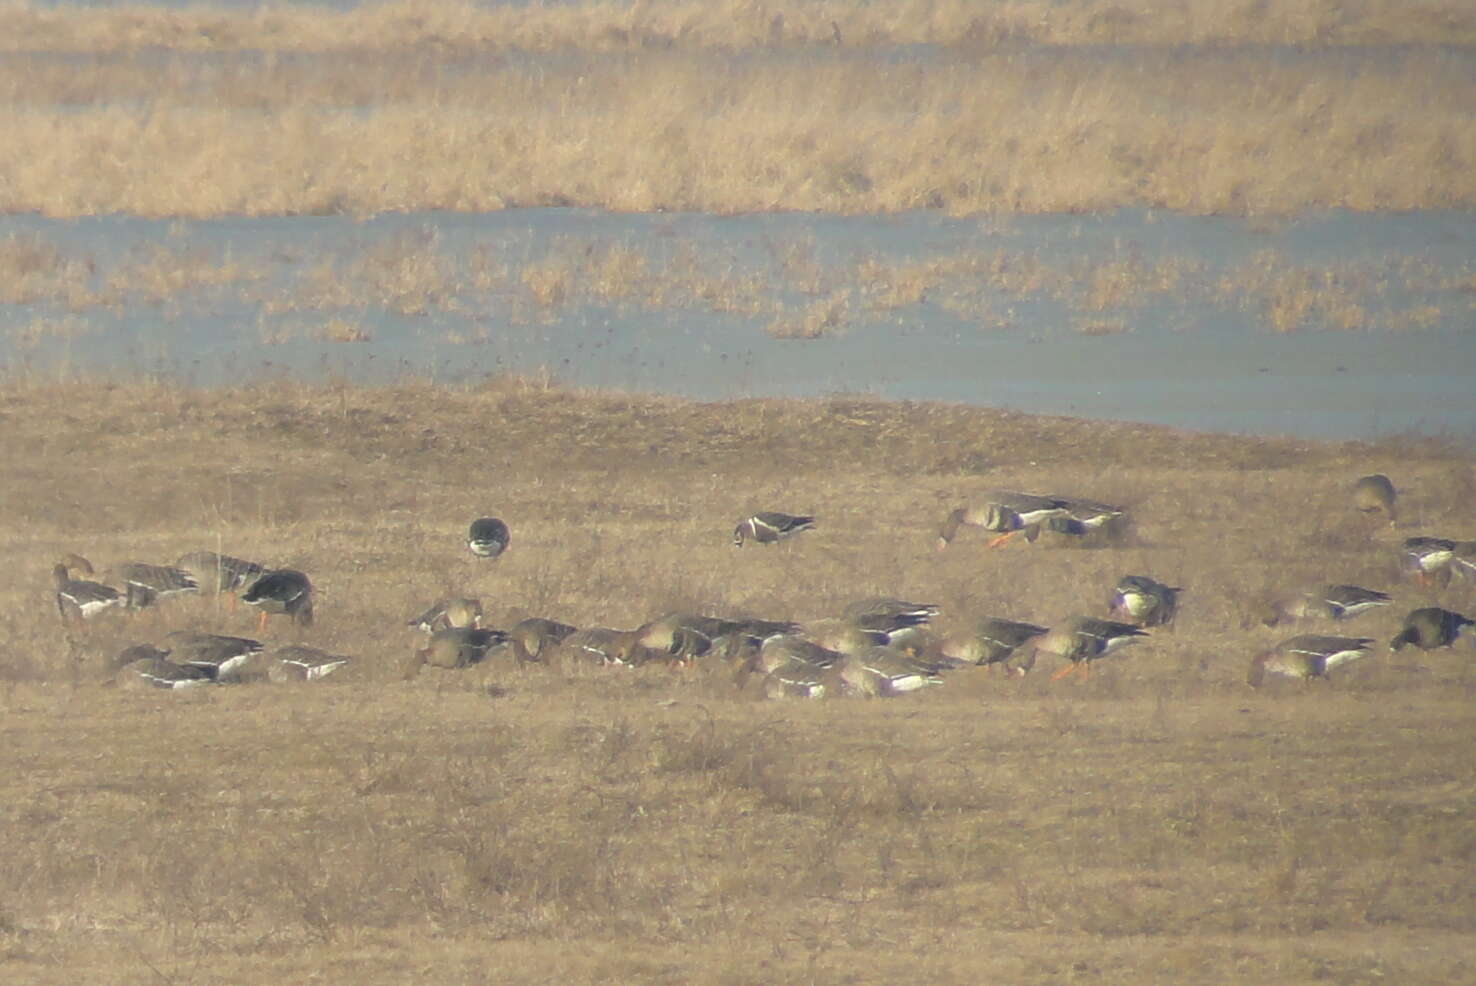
[1247,108]
[1161,822]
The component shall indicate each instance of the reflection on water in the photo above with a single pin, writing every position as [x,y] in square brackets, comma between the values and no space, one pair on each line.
[1137,316]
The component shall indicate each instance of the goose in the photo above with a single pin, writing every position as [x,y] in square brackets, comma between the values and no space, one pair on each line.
[883,672]
[134,653]
[459,647]
[1427,559]
[841,635]
[1005,513]
[295,663]
[796,679]
[147,584]
[82,599]
[787,648]
[1375,495]
[1328,602]
[769,526]
[488,537]
[216,573]
[995,642]
[1145,602]
[158,672]
[454,612]
[1306,657]
[222,657]
[1084,640]
[1431,627]
[533,636]
[604,646]
[285,591]
[887,615]
[1084,517]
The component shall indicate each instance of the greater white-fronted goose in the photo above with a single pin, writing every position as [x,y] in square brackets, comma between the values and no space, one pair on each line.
[146,584]
[1428,559]
[1328,602]
[1374,495]
[769,526]
[223,657]
[455,612]
[1145,602]
[1306,657]
[82,599]
[158,672]
[534,637]
[1084,640]
[284,591]
[1431,627]
[459,647]
[797,679]
[1005,513]
[488,537]
[883,672]
[841,635]
[885,614]
[217,573]
[1084,518]
[996,643]
[604,646]
[135,653]
[296,663]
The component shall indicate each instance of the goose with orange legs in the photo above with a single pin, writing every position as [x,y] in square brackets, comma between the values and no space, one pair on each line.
[1087,639]
[1004,513]
[285,592]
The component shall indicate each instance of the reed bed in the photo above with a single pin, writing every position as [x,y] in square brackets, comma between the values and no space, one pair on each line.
[1161,820]
[788,287]
[256,131]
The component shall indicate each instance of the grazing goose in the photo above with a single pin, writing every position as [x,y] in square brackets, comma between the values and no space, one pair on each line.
[1085,517]
[1084,640]
[883,672]
[157,672]
[1427,560]
[887,615]
[222,657]
[786,648]
[456,612]
[1306,657]
[994,642]
[488,537]
[137,652]
[842,635]
[768,527]
[148,584]
[81,599]
[1005,513]
[1375,495]
[1431,627]
[285,591]
[604,646]
[459,647]
[1328,602]
[216,573]
[533,636]
[796,679]
[295,663]
[1145,602]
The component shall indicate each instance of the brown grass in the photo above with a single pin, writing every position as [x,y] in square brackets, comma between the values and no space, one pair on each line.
[1159,823]
[397,108]
[732,24]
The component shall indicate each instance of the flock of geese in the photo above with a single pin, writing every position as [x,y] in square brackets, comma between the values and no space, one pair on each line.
[878,647]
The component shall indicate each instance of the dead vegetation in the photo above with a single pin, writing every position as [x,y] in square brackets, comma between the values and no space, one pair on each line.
[1272,108]
[1160,821]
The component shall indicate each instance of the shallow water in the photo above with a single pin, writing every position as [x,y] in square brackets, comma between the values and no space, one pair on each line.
[1196,355]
